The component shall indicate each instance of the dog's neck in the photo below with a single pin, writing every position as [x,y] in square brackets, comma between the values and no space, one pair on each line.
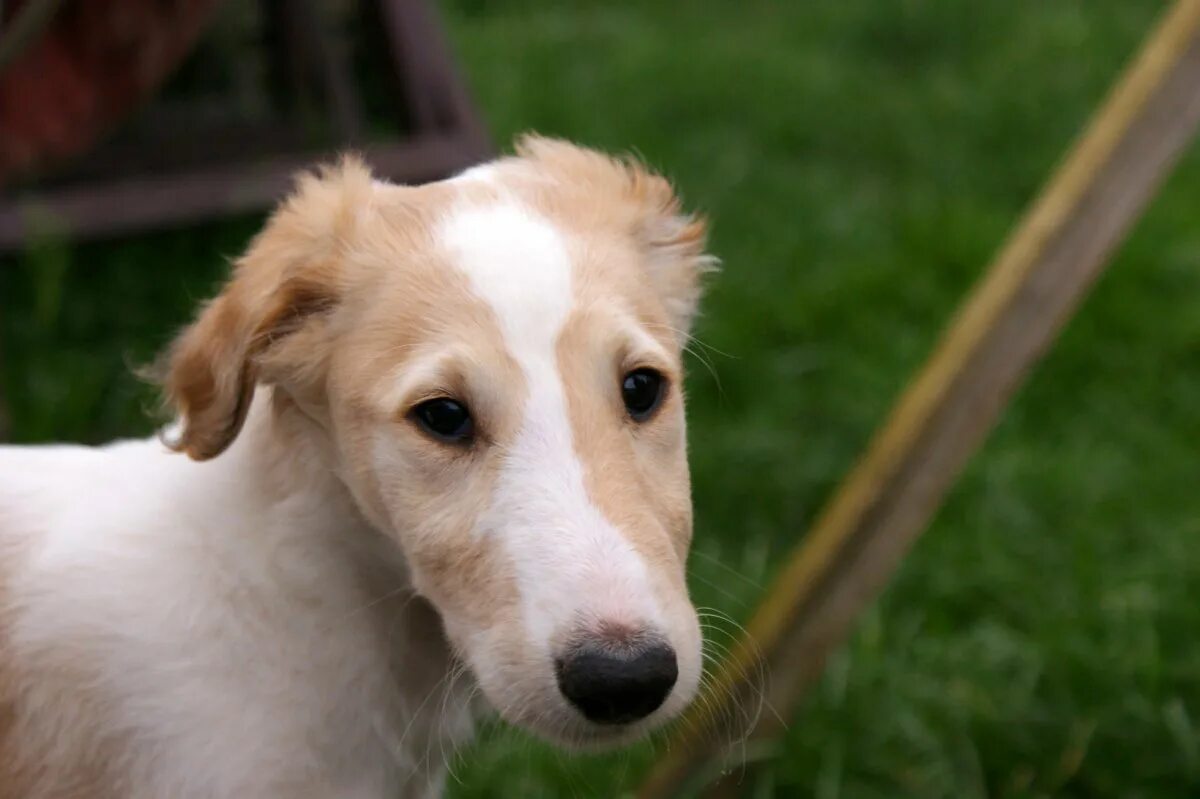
[283,459]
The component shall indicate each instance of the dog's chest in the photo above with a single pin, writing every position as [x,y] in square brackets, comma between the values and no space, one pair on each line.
[228,673]
[358,698]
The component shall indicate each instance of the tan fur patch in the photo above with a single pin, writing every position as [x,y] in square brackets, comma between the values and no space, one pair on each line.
[636,473]
[416,305]
[587,191]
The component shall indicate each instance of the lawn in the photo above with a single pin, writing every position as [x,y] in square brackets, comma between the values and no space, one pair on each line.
[860,161]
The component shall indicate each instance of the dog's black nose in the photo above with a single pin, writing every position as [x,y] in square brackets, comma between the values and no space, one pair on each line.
[618,685]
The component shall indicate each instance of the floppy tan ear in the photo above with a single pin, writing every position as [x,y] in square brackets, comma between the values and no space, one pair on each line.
[265,326]
[672,240]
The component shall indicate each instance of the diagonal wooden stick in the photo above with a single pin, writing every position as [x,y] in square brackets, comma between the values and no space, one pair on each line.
[1004,326]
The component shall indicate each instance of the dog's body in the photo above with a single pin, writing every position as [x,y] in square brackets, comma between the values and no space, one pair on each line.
[421,464]
[225,629]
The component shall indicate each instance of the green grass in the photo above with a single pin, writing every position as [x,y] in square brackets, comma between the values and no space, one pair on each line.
[861,161]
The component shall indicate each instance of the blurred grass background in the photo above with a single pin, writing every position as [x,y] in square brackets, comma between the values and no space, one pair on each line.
[861,161]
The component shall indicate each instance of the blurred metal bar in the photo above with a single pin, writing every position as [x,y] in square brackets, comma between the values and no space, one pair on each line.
[28,21]
[421,54]
[311,60]
[1006,324]
[123,206]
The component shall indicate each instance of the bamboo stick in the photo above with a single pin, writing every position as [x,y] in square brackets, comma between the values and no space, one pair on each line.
[1031,288]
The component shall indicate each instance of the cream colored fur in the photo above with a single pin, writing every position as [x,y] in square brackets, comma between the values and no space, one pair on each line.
[305,606]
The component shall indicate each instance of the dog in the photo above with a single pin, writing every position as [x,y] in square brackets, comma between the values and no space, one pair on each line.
[428,461]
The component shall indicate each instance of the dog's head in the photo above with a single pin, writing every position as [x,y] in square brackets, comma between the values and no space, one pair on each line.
[495,361]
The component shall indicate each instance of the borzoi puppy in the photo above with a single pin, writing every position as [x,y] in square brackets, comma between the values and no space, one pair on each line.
[423,432]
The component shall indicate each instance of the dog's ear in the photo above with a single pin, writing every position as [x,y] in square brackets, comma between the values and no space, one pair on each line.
[267,325]
[674,245]
[672,241]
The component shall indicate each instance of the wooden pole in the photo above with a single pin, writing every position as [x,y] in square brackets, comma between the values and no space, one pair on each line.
[1031,288]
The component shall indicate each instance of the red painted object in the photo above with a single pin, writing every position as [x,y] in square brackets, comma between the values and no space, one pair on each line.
[94,63]
[66,169]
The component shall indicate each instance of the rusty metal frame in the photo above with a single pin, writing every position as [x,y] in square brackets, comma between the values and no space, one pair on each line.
[443,134]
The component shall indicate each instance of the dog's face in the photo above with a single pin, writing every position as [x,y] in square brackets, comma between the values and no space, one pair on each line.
[495,361]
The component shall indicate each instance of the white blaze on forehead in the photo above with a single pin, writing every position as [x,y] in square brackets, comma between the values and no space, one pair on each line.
[518,264]
[570,560]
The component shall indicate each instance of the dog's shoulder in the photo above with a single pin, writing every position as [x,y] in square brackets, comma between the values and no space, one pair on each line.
[53,526]
[147,597]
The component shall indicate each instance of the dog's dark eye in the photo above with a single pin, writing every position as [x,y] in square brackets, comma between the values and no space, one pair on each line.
[642,390]
[445,419]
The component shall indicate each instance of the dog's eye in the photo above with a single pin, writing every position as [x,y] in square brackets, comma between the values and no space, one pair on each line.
[445,419]
[642,390]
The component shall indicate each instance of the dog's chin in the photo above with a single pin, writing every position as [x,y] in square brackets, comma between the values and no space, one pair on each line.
[576,734]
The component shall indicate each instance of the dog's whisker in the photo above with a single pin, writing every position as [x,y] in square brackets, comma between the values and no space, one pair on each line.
[720,589]
[726,567]
[378,601]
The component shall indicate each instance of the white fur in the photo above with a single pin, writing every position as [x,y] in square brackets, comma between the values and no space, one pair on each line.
[223,618]
[520,265]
